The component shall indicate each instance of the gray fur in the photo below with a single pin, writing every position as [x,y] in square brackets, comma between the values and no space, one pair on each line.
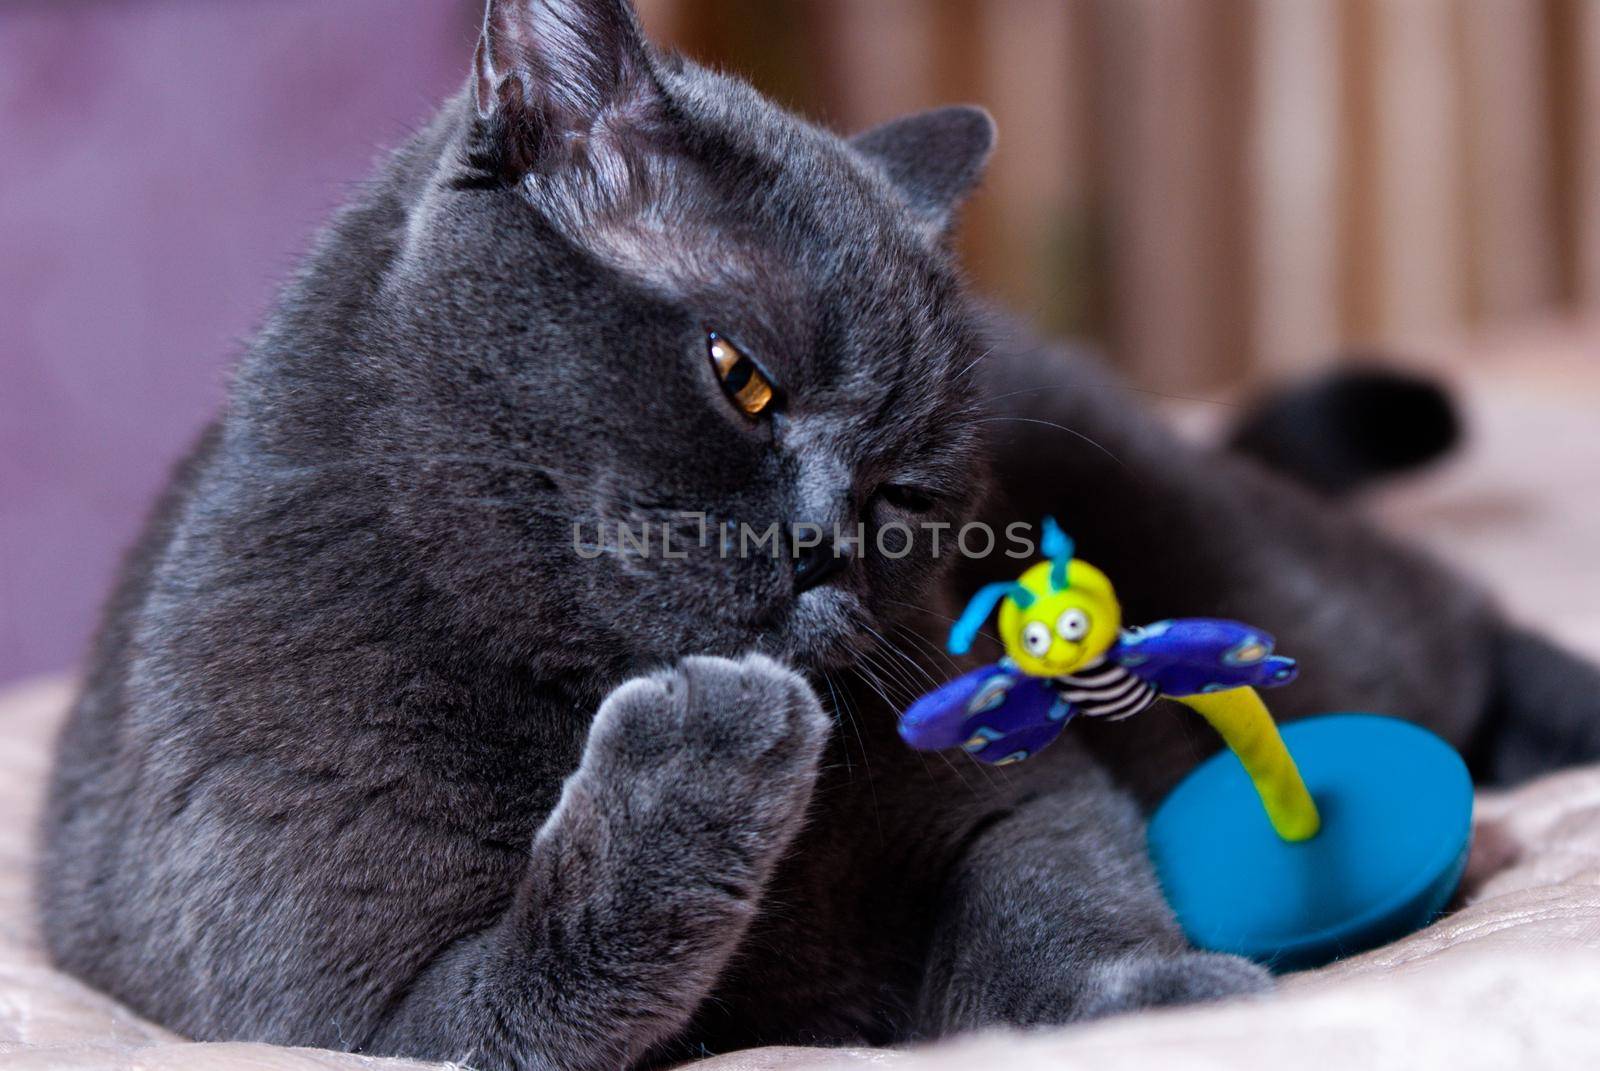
[371,757]
[932,159]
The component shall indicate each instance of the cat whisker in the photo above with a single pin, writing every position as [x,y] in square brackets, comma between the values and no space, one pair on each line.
[974,363]
[1042,388]
[891,648]
[866,758]
[892,679]
[871,682]
[934,648]
[1179,397]
[921,609]
[940,616]
[1052,424]
[880,687]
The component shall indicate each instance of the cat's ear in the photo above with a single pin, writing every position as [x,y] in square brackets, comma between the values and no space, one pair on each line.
[546,70]
[933,158]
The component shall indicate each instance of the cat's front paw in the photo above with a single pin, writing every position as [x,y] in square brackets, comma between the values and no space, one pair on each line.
[734,742]
[1157,980]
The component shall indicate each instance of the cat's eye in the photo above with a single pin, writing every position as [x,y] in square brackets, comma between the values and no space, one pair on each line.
[745,384]
[909,498]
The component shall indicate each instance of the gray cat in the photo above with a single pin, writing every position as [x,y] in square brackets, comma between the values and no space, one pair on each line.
[375,755]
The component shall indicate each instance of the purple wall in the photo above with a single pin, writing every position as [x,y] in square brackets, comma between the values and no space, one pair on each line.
[162,166]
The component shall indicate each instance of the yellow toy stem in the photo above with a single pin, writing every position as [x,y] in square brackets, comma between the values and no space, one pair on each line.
[1246,726]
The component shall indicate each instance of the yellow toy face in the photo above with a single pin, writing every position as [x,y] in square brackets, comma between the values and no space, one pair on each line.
[1061,631]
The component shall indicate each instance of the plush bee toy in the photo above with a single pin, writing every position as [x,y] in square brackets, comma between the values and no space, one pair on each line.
[1067,653]
[1291,892]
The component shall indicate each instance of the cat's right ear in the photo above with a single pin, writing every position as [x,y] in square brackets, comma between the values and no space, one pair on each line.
[933,158]
[550,71]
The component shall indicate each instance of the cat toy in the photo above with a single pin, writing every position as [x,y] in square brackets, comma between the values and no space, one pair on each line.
[1367,818]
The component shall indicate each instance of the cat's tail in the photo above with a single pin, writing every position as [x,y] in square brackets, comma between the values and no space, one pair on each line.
[1351,427]
[1544,710]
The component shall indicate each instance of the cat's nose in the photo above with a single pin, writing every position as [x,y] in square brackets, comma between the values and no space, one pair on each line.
[817,563]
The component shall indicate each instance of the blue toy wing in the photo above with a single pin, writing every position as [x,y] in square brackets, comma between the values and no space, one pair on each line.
[1202,654]
[996,714]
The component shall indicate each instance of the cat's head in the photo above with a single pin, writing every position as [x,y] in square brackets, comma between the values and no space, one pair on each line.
[631,297]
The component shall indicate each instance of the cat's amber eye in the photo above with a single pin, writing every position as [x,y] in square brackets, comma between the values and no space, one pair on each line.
[743,382]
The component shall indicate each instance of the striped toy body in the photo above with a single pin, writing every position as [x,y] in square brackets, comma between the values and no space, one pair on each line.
[999,714]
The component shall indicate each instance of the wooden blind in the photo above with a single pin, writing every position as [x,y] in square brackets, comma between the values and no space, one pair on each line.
[1230,188]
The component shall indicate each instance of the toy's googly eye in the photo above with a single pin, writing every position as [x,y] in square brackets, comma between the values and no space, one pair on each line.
[1073,625]
[1036,638]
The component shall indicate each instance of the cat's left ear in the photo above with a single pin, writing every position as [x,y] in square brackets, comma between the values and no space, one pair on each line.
[547,72]
[933,158]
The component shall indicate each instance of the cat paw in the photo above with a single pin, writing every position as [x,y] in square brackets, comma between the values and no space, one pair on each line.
[1151,980]
[735,741]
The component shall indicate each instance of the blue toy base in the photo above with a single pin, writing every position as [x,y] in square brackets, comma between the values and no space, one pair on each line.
[1396,806]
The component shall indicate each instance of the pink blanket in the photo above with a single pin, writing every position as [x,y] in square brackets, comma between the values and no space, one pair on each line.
[1511,979]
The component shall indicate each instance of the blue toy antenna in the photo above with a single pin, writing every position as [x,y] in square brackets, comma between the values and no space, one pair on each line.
[978,610]
[1059,548]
